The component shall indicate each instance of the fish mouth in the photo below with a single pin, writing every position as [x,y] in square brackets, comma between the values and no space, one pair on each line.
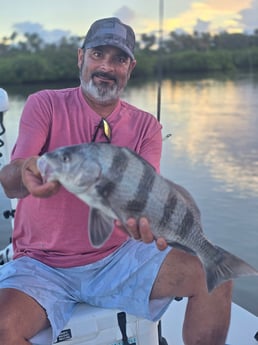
[45,169]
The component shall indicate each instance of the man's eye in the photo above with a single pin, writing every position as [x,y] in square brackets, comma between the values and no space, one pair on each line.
[97,53]
[121,59]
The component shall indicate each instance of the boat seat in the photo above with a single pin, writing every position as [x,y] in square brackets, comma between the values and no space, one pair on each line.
[90,325]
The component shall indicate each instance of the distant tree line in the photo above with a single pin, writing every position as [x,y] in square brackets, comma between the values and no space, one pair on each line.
[30,59]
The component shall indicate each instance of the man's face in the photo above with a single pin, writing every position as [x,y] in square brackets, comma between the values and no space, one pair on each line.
[104,72]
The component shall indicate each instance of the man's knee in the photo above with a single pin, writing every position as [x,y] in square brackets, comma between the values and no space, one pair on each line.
[21,317]
[181,274]
[224,290]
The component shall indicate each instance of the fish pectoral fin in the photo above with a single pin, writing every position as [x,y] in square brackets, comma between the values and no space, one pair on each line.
[100,227]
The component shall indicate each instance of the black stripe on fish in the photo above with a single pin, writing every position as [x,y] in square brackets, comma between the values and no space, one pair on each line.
[119,164]
[105,188]
[141,196]
[168,211]
[187,223]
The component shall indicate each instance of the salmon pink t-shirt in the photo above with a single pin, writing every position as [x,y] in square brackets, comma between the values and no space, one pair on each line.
[54,230]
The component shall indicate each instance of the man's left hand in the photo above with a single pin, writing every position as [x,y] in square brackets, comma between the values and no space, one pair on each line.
[141,231]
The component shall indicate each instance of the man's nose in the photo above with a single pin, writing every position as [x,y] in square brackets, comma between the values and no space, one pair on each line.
[107,64]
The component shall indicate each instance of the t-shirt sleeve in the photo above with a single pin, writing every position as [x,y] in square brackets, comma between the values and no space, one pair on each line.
[34,127]
[151,144]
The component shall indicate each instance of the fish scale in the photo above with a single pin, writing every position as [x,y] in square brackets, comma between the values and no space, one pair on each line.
[118,184]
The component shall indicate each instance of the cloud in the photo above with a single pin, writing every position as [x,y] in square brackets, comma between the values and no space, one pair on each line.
[228,6]
[216,16]
[202,26]
[249,17]
[50,36]
[125,14]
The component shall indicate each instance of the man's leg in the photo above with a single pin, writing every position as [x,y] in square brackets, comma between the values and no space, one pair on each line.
[21,317]
[207,315]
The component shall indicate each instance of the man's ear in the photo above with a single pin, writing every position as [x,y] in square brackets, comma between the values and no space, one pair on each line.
[80,57]
[131,67]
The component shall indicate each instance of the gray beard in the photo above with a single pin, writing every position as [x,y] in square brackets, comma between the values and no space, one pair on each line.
[101,93]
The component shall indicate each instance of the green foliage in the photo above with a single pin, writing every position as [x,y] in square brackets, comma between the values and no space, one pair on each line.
[27,67]
[20,68]
[145,64]
[32,60]
[246,59]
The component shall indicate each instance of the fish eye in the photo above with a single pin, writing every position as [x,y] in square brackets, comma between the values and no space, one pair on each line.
[65,158]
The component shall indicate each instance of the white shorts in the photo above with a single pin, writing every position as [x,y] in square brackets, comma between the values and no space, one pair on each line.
[123,281]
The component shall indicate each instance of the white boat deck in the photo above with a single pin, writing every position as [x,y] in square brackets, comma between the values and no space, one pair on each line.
[243,327]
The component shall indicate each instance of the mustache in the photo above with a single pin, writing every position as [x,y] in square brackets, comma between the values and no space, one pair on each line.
[104,75]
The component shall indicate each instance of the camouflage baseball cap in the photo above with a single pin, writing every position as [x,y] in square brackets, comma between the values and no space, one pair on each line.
[111,31]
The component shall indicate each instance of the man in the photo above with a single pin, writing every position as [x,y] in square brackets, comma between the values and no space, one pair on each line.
[54,265]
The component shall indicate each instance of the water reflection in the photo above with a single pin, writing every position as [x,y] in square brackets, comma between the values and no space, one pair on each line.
[217,124]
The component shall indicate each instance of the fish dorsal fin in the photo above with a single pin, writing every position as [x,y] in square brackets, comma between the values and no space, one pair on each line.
[100,227]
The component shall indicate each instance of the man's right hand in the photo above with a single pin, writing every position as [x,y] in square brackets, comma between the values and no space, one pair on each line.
[33,181]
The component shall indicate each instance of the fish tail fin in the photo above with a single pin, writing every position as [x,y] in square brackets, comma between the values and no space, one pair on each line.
[226,267]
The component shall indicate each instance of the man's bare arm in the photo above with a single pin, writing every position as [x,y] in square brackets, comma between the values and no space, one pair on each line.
[11,179]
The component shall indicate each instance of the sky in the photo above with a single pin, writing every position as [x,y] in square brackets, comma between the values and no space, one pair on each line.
[52,19]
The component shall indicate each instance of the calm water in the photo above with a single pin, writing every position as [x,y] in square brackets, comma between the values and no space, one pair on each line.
[213,152]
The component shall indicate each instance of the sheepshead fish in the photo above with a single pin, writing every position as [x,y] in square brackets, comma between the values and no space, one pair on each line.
[117,184]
